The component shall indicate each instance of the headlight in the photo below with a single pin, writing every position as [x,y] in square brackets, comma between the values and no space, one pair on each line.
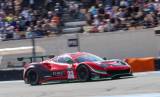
[123,63]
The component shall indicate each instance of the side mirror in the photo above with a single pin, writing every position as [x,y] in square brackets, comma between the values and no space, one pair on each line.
[104,58]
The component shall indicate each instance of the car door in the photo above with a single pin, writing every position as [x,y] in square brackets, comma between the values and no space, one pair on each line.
[70,71]
[59,64]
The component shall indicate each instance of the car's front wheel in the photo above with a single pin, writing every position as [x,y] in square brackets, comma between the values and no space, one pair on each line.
[32,77]
[83,73]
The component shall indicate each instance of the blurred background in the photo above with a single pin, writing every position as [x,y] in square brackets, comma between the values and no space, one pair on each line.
[45,27]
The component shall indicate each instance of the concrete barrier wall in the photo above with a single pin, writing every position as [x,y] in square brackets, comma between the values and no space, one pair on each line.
[11,74]
[112,44]
[140,43]
[121,44]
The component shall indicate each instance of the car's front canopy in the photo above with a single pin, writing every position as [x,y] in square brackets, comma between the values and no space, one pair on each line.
[88,58]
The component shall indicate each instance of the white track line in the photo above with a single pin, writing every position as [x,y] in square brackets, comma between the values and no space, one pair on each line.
[18,81]
[147,73]
[136,95]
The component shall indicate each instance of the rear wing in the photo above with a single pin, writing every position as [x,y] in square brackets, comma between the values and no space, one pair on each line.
[37,57]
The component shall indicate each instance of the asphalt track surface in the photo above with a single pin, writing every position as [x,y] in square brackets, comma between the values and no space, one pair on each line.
[141,85]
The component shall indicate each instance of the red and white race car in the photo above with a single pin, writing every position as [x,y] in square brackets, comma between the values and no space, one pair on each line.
[74,66]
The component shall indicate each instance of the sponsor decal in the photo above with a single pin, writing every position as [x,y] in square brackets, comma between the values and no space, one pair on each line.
[58,73]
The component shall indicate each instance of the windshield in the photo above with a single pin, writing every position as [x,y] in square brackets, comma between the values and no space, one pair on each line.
[88,58]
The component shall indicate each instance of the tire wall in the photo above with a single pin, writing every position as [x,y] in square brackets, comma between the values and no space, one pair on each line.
[142,64]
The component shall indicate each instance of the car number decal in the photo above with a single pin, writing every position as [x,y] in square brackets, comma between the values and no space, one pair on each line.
[70,74]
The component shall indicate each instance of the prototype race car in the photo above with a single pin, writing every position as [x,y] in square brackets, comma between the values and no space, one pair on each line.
[74,66]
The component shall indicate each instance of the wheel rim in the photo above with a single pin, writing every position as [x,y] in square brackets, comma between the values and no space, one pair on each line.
[32,77]
[83,73]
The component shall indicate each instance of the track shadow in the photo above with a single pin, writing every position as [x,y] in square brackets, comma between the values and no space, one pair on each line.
[77,81]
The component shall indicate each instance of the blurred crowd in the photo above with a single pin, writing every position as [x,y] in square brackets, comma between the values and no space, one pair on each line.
[111,15]
[18,21]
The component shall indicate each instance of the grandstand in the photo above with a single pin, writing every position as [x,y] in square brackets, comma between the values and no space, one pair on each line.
[23,18]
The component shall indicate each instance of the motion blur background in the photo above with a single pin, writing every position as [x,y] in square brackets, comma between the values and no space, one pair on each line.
[108,28]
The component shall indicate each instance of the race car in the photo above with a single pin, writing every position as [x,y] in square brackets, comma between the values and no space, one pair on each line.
[80,66]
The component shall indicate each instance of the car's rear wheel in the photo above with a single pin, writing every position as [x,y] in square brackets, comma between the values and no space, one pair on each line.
[83,73]
[32,77]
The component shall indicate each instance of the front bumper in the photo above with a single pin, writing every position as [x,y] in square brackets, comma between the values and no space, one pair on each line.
[112,74]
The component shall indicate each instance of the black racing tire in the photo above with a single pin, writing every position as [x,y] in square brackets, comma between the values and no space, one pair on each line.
[33,77]
[84,73]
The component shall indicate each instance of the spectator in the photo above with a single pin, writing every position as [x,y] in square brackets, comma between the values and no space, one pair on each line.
[28,33]
[109,25]
[93,11]
[46,27]
[10,32]
[149,20]
[50,5]
[73,8]
[49,15]
[55,20]
[10,6]
[96,21]
[17,21]
[88,27]
[123,4]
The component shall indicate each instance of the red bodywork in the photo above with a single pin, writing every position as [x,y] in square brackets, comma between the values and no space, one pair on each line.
[52,69]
